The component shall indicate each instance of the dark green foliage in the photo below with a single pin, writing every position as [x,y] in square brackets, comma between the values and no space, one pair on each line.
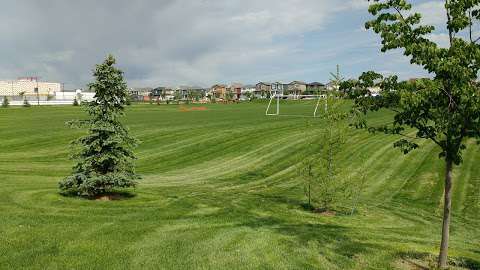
[75,102]
[5,102]
[445,109]
[249,96]
[26,103]
[229,96]
[104,156]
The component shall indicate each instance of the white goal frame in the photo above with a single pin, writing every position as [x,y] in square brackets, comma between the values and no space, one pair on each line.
[278,97]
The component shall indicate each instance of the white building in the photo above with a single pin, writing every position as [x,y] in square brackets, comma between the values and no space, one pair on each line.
[28,86]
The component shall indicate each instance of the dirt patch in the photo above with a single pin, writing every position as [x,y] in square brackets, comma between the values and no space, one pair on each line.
[190,109]
[113,197]
[409,264]
[107,198]
[326,213]
[429,261]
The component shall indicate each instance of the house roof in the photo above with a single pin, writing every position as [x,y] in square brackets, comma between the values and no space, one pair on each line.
[236,85]
[316,84]
[218,85]
[187,87]
[264,83]
[298,82]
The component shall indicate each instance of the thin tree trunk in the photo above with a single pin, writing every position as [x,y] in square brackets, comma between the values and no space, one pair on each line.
[442,259]
[309,196]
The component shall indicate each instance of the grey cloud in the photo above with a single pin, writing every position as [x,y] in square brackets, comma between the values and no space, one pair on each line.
[158,42]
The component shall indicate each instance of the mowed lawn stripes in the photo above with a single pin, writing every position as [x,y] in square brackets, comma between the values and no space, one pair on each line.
[220,190]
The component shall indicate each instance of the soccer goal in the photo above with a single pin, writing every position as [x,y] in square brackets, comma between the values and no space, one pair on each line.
[295,105]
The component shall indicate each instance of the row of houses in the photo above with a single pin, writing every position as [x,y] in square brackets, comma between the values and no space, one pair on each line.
[31,87]
[234,91]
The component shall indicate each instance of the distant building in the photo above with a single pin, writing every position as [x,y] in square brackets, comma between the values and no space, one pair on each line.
[263,89]
[140,93]
[192,92]
[247,92]
[297,87]
[236,90]
[159,91]
[28,87]
[315,87]
[278,88]
[332,86]
[219,91]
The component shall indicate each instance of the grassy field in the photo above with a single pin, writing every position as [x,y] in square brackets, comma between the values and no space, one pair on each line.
[219,191]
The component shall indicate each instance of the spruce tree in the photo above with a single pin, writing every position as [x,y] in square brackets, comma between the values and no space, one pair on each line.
[104,156]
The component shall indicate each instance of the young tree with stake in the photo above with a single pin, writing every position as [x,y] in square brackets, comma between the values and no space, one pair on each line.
[324,188]
[445,109]
[104,156]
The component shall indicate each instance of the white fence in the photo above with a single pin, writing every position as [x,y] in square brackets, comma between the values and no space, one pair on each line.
[42,102]
[60,98]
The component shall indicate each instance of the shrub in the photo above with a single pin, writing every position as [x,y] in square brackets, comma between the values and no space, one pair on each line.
[26,103]
[5,102]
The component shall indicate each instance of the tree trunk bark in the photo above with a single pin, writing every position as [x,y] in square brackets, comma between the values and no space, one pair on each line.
[442,259]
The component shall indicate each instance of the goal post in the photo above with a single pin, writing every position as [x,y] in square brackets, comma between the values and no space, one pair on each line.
[274,104]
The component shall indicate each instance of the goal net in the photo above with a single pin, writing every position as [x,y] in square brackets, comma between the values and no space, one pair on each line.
[295,105]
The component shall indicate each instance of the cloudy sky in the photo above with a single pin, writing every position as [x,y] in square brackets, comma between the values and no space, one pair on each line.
[197,42]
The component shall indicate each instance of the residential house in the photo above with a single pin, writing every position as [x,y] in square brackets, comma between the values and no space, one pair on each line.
[140,93]
[315,88]
[159,92]
[162,93]
[248,92]
[218,91]
[263,89]
[236,90]
[297,88]
[332,86]
[278,88]
[194,93]
[133,92]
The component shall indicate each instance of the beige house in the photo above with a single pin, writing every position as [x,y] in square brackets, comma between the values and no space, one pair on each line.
[297,87]
[263,89]
[219,91]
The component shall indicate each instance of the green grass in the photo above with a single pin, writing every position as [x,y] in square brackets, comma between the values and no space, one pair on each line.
[219,191]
